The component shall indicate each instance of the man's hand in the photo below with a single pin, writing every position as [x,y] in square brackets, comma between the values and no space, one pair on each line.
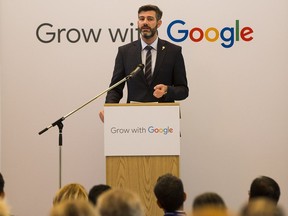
[101,115]
[160,90]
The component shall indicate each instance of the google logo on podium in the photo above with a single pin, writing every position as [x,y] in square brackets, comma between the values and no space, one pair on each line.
[156,130]
[228,35]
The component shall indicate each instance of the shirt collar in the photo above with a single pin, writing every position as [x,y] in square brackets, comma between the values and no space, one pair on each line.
[153,45]
[175,213]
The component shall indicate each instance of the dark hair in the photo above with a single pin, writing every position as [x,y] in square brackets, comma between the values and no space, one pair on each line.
[96,191]
[2,183]
[169,192]
[264,186]
[209,199]
[149,7]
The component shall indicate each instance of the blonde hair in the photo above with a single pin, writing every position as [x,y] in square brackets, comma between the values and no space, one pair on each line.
[4,209]
[71,191]
[118,202]
[73,208]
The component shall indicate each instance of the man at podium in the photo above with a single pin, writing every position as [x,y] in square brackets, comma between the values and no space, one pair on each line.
[164,77]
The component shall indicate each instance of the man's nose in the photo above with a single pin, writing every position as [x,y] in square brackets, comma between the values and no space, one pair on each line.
[145,20]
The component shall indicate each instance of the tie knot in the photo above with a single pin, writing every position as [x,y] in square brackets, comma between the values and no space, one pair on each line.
[148,48]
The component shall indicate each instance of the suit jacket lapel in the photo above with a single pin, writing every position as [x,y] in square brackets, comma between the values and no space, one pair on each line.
[161,51]
[138,51]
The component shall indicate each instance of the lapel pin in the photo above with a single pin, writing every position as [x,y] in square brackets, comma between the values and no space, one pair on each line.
[163,47]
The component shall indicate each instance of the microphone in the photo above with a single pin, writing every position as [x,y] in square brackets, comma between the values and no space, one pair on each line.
[136,70]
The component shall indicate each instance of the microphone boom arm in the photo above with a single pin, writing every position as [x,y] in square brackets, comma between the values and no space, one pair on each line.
[59,121]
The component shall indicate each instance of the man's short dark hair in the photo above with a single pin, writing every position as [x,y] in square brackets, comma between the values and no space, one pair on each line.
[2,183]
[96,191]
[264,186]
[169,192]
[149,7]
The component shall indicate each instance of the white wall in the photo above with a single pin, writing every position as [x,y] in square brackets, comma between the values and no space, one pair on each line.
[234,123]
[0,91]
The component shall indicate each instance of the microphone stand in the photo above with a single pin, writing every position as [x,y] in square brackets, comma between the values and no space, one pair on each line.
[60,125]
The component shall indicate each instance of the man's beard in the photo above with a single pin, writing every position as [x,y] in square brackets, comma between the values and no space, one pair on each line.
[148,35]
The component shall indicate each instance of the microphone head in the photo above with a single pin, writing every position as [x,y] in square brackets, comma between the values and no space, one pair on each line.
[136,70]
[141,66]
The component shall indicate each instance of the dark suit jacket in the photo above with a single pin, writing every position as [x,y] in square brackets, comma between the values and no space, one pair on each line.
[169,70]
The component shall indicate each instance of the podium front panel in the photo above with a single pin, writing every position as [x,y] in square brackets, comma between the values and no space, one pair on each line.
[142,129]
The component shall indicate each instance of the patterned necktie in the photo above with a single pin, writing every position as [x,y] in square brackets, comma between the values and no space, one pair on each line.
[148,65]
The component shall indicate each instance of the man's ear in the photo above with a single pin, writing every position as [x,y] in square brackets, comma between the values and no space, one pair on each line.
[185,196]
[159,204]
[159,22]
[2,195]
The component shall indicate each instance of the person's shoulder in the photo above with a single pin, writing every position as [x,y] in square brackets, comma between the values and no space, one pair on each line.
[131,44]
[165,43]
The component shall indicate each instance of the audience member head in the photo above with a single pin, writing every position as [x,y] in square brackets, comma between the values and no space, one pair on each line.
[73,208]
[264,186]
[71,191]
[2,183]
[118,202]
[208,199]
[96,191]
[209,204]
[169,192]
[261,206]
